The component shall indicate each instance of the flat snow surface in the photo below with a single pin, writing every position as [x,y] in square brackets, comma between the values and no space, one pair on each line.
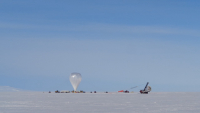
[9,89]
[39,102]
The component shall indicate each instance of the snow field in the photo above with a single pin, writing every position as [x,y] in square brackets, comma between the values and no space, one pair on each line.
[39,102]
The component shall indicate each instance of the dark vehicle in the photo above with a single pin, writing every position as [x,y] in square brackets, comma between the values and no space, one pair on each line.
[91,92]
[126,91]
[106,92]
[82,91]
[57,91]
[95,92]
[146,89]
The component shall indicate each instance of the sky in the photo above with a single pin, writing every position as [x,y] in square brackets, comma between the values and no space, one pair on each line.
[114,44]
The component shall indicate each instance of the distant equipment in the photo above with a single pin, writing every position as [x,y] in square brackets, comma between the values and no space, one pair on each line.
[121,91]
[65,92]
[57,91]
[81,91]
[146,89]
[126,91]
[75,79]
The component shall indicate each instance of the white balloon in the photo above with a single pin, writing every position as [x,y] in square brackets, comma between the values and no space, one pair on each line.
[75,79]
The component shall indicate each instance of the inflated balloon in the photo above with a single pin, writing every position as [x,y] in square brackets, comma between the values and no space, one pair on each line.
[75,79]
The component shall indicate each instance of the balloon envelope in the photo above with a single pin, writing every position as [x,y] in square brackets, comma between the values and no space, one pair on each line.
[75,79]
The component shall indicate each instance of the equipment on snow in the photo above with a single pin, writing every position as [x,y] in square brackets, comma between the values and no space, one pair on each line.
[146,89]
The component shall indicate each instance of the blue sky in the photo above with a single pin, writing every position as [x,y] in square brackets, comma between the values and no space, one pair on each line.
[114,44]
